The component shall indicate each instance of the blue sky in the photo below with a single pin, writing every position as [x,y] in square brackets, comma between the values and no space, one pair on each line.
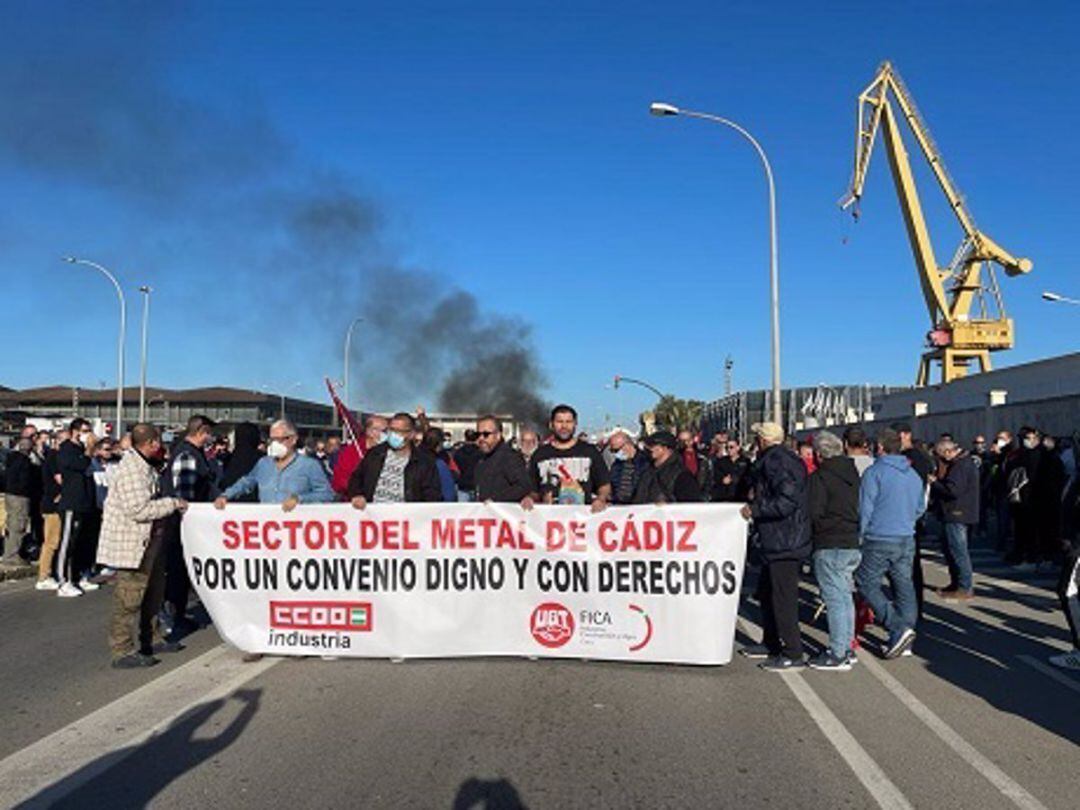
[506,149]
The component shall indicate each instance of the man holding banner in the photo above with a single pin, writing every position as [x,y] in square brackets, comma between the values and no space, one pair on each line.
[283,476]
[396,471]
[501,476]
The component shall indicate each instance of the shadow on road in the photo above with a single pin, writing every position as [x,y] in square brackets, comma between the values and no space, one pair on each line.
[483,794]
[133,776]
[976,656]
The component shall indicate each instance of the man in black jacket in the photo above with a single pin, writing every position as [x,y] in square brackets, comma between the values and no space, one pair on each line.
[730,473]
[501,475]
[668,481]
[955,490]
[19,487]
[396,471]
[77,505]
[466,458]
[780,511]
[834,521]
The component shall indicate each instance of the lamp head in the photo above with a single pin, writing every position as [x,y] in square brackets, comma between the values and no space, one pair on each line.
[661,108]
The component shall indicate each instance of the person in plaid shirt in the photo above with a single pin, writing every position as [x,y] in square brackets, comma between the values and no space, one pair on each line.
[131,542]
[190,477]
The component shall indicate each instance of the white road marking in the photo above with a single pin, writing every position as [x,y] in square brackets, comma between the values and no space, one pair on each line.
[887,795]
[20,586]
[120,727]
[997,777]
[1050,672]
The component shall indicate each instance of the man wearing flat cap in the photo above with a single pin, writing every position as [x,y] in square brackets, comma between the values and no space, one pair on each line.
[780,511]
[668,480]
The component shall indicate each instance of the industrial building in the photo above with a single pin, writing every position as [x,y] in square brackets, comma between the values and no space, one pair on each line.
[171,408]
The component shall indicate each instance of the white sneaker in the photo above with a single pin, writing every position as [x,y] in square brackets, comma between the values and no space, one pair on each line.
[1067,661]
[87,585]
[47,584]
[68,589]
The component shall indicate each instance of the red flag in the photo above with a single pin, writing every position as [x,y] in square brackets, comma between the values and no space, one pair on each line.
[353,430]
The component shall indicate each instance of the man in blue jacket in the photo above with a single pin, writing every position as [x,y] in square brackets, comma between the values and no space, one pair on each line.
[780,511]
[891,499]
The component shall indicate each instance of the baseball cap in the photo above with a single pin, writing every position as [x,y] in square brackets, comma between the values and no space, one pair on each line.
[664,438]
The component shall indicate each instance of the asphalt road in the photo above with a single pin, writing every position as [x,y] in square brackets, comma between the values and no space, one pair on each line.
[974,719]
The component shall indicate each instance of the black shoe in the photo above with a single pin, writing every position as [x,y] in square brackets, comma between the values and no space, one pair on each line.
[781,663]
[827,662]
[167,646]
[902,644]
[756,652]
[134,661]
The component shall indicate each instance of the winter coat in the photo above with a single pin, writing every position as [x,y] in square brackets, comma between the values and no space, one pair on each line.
[634,467]
[891,499]
[738,469]
[502,476]
[781,509]
[671,482]
[834,504]
[20,474]
[76,485]
[421,476]
[131,507]
[467,457]
[957,494]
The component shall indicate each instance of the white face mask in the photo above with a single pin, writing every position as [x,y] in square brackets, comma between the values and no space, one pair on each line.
[277,449]
[1031,443]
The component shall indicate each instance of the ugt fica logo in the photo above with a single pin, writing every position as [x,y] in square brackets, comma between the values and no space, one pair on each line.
[346,617]
[552,624]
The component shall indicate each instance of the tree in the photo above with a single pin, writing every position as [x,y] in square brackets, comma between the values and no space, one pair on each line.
[674,414]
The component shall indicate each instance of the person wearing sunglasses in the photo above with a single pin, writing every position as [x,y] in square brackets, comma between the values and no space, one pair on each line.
[501,476]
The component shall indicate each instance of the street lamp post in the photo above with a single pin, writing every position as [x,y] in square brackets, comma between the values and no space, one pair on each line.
[119,341]
[619,379]
[1061,299]
[145,290]
[663,109]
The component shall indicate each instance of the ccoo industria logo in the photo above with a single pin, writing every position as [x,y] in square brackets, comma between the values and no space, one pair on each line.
[345,617]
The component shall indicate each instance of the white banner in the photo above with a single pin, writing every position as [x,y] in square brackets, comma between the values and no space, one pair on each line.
[642,583]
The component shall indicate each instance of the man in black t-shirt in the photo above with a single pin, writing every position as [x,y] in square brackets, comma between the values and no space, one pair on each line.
[568,470]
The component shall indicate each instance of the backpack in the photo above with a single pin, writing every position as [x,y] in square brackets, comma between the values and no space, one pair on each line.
[1015,484]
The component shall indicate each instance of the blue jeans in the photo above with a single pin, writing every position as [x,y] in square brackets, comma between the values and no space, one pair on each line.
[833,569]
[957,556]
[894,558]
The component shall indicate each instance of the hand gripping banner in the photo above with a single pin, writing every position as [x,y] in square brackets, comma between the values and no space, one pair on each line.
[642,583]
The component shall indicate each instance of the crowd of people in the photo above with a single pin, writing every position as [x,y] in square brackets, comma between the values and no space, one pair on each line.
[86,509]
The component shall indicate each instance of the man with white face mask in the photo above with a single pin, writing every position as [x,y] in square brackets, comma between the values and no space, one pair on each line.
[283,475]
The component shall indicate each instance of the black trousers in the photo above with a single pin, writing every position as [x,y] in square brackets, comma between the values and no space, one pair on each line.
[916,569]
[177,582]
[778,593]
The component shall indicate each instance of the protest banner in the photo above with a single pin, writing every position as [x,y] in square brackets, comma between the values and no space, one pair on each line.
[642,583]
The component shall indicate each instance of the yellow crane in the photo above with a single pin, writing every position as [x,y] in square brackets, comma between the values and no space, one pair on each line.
[967,313]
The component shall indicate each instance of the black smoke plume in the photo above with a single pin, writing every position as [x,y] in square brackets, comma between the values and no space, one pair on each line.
[95,100]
